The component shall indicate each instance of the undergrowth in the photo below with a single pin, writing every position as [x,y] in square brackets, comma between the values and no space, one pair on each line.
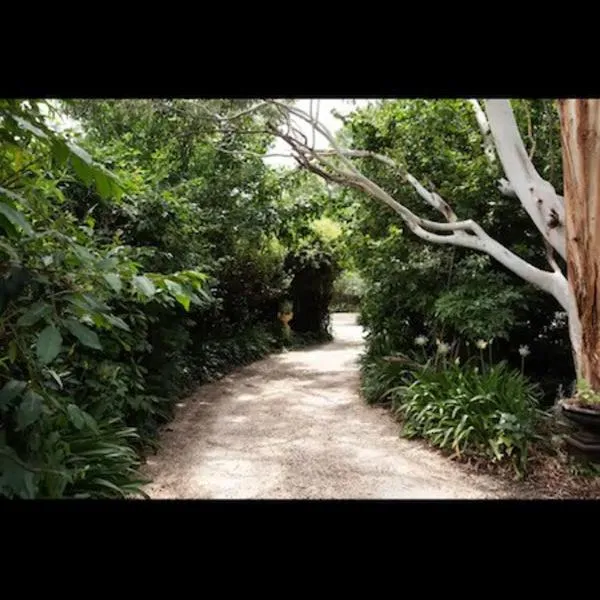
[490,414]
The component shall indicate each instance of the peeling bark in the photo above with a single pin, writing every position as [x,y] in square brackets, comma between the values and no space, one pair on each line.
[580,132]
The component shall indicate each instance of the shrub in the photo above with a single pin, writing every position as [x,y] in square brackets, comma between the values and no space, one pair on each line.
[489,414]
[379,376]
[117,294]
[215,358]
[415,288]
[314,271]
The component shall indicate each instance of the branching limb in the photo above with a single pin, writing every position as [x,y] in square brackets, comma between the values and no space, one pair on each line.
[550,258]
[466,233]
[484,127]
[537,196]
[433,199]
[530,132]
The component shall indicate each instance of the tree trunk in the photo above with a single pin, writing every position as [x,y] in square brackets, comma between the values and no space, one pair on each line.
[580,131]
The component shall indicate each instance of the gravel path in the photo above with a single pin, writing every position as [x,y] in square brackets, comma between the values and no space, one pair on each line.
[293,426]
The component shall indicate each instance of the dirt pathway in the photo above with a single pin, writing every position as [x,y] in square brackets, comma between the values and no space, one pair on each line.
[293,426]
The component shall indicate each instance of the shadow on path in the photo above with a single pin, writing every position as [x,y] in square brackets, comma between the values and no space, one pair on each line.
[293,426]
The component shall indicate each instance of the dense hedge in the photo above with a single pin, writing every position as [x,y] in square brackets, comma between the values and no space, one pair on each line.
[313,272]
[120,289]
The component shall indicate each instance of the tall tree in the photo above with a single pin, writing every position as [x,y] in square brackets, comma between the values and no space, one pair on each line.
[580,127]
[545,207]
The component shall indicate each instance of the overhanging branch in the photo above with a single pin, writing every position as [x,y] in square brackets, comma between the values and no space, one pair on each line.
[465,233]
[538,197]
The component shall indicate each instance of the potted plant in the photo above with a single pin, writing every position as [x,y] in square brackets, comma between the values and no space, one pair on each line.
[582,412]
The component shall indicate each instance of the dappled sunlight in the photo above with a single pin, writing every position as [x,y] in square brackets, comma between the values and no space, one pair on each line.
[171,291]
[293,426]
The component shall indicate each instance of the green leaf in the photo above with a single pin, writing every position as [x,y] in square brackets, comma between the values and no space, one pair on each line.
[117,322]
[114,281]
[81,154]
[37,311]
[56,378]
[84,334]
[48,344]
[29,410]
[184,300]
[142,284]
[86,302]
[10,251]
[29,127]
[108,484]
[75,416]
[90,422]
[180,295]
[12,351]
[10,230]
[60,151]
[15,218]
[10,194]
[82,253]
[89,171]
[103,184]
[16,480]
[205,294]
[11,390]
[84,172]
[173,287]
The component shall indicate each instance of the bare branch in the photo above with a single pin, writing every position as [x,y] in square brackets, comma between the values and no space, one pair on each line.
[466,233]
[322,130]
[316,119]
[530,132]
[243,112]
[537,196]
[433,199]
[317,114]
[484,127]
[253,154]
[550,258]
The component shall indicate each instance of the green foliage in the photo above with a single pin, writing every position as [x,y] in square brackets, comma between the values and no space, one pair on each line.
[473,314]
[378,377]
[585,395]
[123,284]
[489,414]
[414,288]
[213,359]
[313,272]
[102,461]
[348,290]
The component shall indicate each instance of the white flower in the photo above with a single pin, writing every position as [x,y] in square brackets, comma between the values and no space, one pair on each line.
[420,340]
[481,344]
[443,348]
[524,351]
